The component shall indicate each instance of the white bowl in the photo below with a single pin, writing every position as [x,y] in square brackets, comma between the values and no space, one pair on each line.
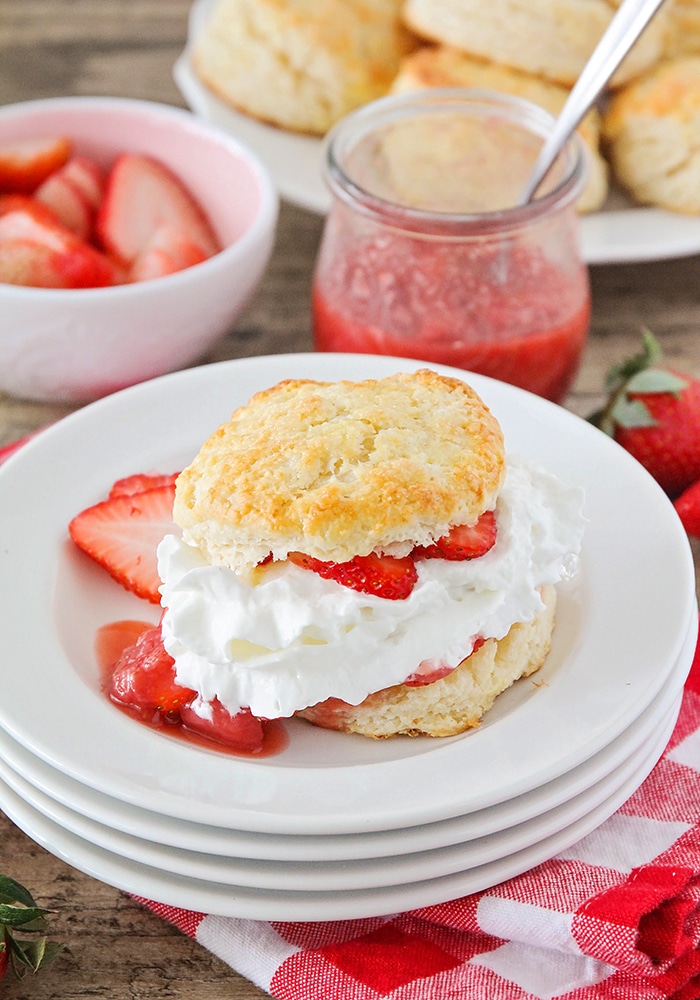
[75,345]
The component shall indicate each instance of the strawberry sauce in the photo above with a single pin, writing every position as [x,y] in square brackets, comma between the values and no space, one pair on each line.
[412,300]
[110,642]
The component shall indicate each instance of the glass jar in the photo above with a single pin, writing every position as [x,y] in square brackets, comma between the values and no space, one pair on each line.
[426,253]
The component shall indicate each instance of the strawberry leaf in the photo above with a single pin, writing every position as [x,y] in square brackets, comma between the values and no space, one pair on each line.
[32,954]
[18,909]
[631,413]
[656,380]
[13,892]
[621,373]
[16,916]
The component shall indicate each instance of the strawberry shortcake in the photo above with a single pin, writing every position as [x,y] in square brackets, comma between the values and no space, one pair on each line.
[362,554]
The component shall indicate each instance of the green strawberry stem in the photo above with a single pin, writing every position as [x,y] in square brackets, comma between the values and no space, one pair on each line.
[637,374]
[19,911]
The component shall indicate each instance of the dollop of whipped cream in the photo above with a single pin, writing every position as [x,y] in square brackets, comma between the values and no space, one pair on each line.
[290,639]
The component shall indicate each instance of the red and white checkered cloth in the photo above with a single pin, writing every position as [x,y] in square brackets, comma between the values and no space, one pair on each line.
[615,917]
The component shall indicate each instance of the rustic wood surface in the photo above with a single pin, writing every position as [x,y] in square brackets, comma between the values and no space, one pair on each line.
[127,48]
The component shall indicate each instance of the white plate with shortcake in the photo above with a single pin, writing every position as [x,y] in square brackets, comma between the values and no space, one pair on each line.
[327,822]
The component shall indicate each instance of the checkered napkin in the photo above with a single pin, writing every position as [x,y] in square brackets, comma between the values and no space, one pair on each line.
[615,917]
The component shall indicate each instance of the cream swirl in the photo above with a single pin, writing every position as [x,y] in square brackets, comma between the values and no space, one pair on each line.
[289,639]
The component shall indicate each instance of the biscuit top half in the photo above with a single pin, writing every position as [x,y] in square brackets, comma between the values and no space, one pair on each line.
[339,469]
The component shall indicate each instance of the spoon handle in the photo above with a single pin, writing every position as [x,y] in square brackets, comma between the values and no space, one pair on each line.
[628,23]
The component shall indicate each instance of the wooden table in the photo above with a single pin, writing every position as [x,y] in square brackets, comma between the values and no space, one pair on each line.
[127,48]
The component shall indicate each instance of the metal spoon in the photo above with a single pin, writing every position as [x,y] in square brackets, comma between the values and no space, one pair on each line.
[628,23]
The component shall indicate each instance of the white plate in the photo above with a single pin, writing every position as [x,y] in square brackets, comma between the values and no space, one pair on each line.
[621,625]
[146,427]
[282,904]
[620,232]
[146,825]
[344,874]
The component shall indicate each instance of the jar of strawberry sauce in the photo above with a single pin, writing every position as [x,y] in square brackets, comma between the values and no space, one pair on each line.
[427,253]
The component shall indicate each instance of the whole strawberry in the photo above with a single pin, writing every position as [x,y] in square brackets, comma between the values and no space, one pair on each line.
[688,507]
[23,944]
[654,413]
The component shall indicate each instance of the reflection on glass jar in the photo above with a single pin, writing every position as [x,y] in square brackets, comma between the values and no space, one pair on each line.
[426,253]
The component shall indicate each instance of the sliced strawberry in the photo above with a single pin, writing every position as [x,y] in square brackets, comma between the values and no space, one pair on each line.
[141,195]
[463,541]
[122,534]
[434,670]
[28,204]
[30,265]
[383,576]
[140,482]
[87,177]
[144,677]
[25,163]
[66,201]
[427,672]
[169,250]
[113,638]
[241,732]
[75,264]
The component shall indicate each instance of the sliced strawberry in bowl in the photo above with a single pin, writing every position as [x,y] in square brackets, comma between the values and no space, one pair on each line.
[169,250]
[74,264]
[384,576]
[28,204]
[87,177]
[141,196]
[25,163]
[122,534]
[67,202]
[30,265]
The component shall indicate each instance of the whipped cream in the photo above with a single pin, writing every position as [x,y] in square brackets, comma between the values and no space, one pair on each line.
[290,639]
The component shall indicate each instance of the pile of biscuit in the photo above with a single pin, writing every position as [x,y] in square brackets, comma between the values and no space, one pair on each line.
[302,64]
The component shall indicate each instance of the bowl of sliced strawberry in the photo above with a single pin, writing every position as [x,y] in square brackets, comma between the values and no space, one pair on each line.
[132,237]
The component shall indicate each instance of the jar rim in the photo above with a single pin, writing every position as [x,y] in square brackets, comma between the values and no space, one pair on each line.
[346,135]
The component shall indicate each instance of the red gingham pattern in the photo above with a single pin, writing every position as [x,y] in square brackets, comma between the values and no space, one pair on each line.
[581,926]
[573,928]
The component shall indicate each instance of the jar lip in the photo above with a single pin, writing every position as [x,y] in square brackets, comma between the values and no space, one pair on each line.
[350,130]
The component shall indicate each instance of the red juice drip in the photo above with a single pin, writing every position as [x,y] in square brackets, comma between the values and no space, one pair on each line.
[112,639]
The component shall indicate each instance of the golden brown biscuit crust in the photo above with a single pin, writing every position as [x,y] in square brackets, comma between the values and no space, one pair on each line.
[651,131]
[342,469]
[551,38]
[300,64]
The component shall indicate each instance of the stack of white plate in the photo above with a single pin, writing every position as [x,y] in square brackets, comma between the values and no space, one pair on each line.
[334,826]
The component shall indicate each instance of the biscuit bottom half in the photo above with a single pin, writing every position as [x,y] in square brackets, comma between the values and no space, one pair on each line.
[454,703]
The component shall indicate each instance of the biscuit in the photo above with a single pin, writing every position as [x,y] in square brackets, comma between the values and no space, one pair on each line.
[553,39]
[444,66]
[652,132]
[300,64]
[341,469]
[454,703]
[684,28]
